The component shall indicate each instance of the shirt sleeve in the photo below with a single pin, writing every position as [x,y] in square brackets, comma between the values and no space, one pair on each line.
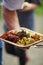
[13,4]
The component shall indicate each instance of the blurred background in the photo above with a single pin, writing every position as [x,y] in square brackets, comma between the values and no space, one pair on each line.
[35,52]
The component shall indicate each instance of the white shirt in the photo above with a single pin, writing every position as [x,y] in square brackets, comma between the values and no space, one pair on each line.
[13,4]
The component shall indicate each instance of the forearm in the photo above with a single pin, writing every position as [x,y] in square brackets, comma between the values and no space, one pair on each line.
[31,6]
[28,6]
[11,19]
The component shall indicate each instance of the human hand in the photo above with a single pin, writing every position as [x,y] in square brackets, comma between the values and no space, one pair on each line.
[25,4]
[26,7]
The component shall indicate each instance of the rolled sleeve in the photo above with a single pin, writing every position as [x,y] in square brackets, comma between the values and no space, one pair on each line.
[13,4]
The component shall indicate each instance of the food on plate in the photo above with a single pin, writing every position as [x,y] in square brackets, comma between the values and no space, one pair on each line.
[10,36]
[21,38]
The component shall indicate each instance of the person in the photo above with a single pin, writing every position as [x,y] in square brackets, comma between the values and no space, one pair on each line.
[26,15]
[12,22]
[0,43]
[0,52]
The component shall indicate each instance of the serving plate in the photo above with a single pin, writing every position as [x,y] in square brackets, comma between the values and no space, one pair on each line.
[25,46]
